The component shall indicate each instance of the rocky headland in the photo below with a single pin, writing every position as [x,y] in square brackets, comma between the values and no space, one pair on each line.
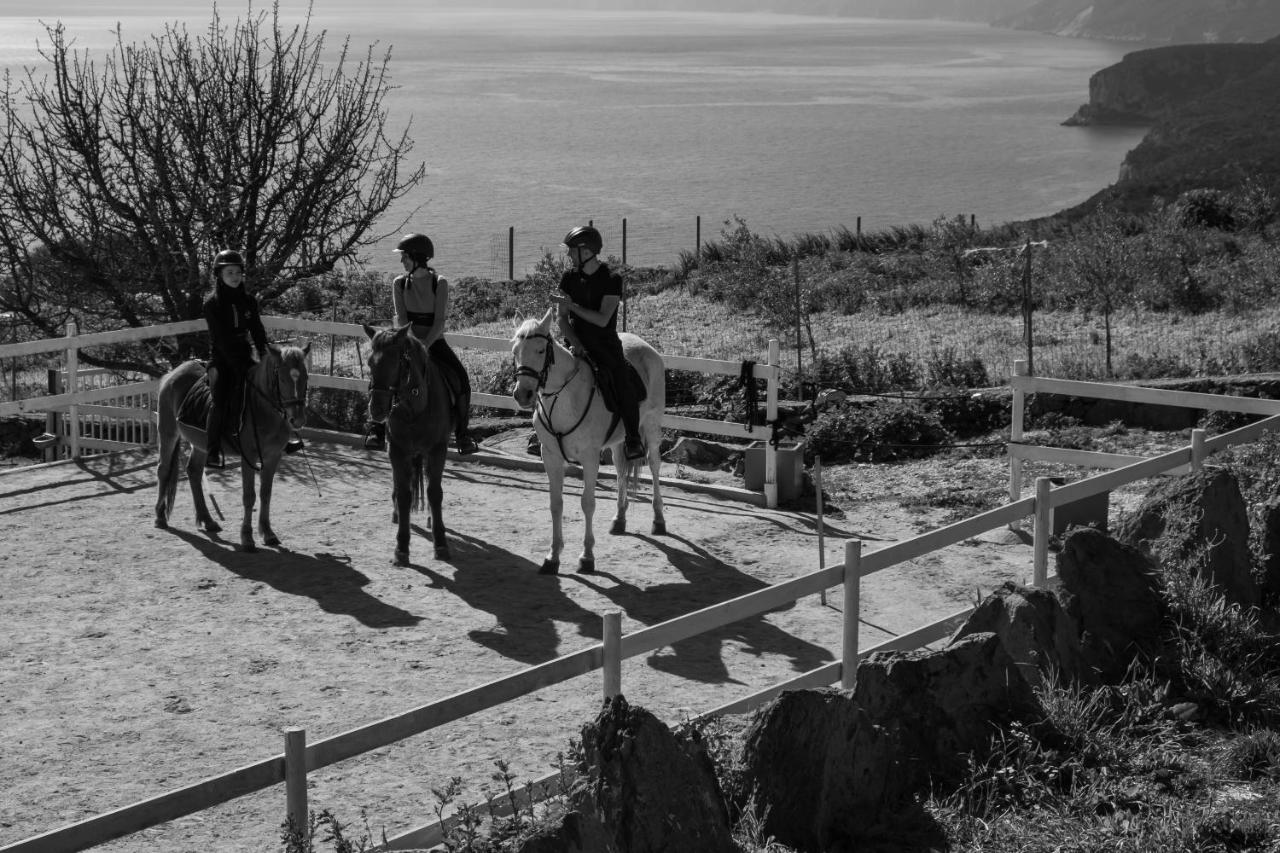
[1152,21]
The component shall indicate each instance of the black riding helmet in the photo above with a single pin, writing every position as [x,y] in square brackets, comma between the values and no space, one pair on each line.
[226,258]
[584,236]
[418,247]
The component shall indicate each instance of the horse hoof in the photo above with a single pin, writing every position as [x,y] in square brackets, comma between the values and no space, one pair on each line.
[211,527]
[162,524]
[442,552]
[395,516]
[549,567]
[248,548]
[400,559]
[619,526]
[586,567]
[659,528]
[271,541]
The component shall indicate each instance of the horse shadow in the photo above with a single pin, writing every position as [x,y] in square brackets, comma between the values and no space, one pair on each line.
[526,605]
[708,580]
[328,579]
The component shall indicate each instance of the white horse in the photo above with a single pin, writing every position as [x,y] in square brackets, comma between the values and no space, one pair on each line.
[573,424]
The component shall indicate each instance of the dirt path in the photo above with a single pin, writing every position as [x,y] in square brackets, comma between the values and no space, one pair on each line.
[137,660]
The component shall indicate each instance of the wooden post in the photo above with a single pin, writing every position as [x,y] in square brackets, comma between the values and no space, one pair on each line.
[1027,311]
[822,545]
[771,415]
[624,280]
[1015,433]
[73,386]
[511,253]
[612,668]
[1044,528]
[795,276]
[295,777]
[52,421]
[333,338]
[697,238]
[852,605]
[1198,451]
[858,233]
[624,241]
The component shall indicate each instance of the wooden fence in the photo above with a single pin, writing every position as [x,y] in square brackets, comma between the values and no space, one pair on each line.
[301,757]
[69,418]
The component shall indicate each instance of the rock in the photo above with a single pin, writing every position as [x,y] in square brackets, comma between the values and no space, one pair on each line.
[1201,511]
[842,770]
[1112,593]
[1039,635]
[697,453]
[644,790]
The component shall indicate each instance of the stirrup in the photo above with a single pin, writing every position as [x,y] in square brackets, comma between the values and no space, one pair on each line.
[467,445]
[293,445]
[633,448]
[534,448]
[215,459]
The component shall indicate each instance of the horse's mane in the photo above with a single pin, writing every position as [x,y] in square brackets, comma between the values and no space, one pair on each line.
[525,329]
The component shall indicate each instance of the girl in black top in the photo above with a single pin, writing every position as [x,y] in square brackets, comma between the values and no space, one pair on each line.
[238,342]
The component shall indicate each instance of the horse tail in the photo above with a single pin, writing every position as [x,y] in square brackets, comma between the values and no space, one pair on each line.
[170,485]
[419,485]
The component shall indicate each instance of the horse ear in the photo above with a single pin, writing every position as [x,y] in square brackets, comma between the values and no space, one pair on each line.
[369,330]
[545,322]
[307,349]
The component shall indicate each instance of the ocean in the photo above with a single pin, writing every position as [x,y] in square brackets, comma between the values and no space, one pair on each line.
[540,120]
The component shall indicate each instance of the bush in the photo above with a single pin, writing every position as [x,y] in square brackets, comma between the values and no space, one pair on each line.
[1205,208]
[885,431]
[865,370]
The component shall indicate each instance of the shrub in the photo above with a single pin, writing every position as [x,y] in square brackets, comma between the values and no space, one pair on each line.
[1205,208]
[865,370]
[884,431]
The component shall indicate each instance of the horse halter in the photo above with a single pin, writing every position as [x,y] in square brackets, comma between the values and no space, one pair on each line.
[548,359]
[412,385]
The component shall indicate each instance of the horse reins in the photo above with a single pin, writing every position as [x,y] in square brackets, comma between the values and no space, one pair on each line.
[413,385]
[540,410]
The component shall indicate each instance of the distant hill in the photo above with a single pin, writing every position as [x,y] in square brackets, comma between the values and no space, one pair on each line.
[955,10]
[1153,21]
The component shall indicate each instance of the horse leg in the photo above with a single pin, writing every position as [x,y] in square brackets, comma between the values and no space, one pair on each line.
[402,474]
[166,473]
[266,479]
[195,476]
[622,465]
[435,500]
[590,466]
[247,498]
[554,466]
[655,465]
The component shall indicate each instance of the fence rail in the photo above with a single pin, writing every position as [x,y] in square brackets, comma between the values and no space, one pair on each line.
[298,759]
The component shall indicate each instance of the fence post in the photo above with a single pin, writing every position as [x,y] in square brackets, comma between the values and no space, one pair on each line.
[1044,527]
[697,239]
[295,777]
[612,668]
[1198,451]
[771,417]
[511,253]
[73,386]
[822,545]
[1015,433]
[852,606]
[51,441]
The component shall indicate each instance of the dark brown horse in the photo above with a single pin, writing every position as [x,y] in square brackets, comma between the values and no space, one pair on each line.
[275,408]
[408,393]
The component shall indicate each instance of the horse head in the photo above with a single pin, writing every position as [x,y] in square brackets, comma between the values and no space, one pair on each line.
[287,380]
[394,375]
[534,351]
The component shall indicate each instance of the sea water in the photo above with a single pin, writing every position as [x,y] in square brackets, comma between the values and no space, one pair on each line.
[532,121]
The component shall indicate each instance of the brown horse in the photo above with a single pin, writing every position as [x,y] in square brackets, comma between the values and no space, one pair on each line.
[408,393]
[275,408]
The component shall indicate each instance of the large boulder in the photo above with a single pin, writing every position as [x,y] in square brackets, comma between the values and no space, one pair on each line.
[1201,513]
[833,769]
[1037,632]
[702,454]
[642,789]
[1111,591]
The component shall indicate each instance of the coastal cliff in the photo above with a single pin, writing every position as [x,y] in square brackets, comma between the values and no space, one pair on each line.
[1148,85]
[1152,21]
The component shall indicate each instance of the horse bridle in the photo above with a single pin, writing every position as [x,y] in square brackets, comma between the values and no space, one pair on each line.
[279,404]
[548,359]
[542,412]
[412,386]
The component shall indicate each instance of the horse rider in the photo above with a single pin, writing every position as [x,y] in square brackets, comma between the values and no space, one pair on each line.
[421,297]
[238,341]
[588,318]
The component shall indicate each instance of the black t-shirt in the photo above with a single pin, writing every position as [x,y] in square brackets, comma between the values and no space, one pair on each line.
[589,291]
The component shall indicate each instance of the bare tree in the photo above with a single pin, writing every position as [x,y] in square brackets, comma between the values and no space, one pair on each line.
[118,183]
[1105,262]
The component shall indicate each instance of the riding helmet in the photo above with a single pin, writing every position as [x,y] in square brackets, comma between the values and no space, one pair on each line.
[227,258]
[586,236]
[418,247]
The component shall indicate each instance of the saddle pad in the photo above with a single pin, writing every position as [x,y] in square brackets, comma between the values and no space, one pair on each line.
[194,409]
[605,384]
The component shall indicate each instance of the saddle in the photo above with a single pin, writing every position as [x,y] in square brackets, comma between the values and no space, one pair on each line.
[608,391]
[194,409]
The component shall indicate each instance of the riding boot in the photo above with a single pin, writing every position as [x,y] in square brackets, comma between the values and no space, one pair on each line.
[213,440]
[375,436]
[462,418]
[629,411]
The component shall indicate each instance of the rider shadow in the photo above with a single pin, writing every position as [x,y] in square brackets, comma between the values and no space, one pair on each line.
[708,581]
[328,579]
[526,605]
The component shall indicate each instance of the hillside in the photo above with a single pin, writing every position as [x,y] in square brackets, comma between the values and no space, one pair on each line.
[984,11]
[1153,21]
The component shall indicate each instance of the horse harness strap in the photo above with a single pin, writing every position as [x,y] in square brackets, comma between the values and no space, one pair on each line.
[542,411]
